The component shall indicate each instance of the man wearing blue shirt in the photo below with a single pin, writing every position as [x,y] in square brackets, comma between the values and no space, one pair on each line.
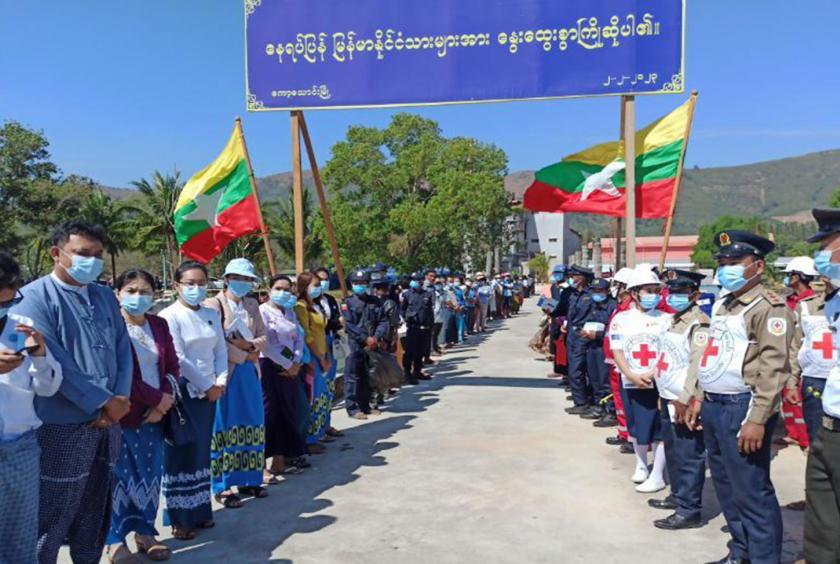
[80,437]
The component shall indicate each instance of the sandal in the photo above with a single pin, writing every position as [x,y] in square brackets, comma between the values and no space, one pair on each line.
[229,501]
[333,432]
[209,524]
[154,550]
[121,555]
[270,479]
[183,534]
[255,491]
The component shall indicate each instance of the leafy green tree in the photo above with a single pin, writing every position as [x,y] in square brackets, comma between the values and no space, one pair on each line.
[154,214]
[538,266]
[24,160]
[407,195]
[100,209]
[834,202]
[279,217]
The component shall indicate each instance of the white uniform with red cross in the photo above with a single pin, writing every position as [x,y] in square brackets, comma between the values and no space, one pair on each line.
[721,367]
[817,355]
[639,336]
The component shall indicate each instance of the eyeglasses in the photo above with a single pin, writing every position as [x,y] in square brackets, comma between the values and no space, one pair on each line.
[13,302]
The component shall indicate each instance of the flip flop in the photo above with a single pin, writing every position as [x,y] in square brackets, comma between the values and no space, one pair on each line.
[230,501]
[155,551]
[183,534]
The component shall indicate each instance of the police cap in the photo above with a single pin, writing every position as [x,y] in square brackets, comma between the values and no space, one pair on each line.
[417,275]
[378,279]
[360,276]
[581,271]
[828,223]
[600,284]
[738,244]
[684,279]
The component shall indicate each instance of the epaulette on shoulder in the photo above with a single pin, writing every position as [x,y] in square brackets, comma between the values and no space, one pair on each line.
[774,298]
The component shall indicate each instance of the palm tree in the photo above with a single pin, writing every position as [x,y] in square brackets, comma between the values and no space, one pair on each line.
[100,209]
[155,220]
[280,220]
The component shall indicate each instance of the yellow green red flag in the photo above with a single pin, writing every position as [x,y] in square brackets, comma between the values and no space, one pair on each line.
[217,205]
[593,180]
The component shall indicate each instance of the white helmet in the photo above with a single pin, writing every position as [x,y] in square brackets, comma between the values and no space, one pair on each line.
[623,275]
[642,277]
[804,265]
[645,266]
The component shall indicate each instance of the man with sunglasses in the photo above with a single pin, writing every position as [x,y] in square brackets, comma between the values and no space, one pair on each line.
[26,370]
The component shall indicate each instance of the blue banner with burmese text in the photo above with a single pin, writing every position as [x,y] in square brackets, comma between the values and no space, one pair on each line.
[308,54]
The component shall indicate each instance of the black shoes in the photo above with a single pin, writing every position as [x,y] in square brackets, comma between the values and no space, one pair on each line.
[614,441]
[578,409]
[729,559]
[676,522]
[626,448]
[594,414]
[608,420]
[667,503]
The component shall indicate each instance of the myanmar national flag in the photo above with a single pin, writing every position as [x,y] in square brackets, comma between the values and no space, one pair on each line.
[592,181]
[217,205]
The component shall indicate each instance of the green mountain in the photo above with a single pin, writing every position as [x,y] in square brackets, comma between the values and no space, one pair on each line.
[782,189]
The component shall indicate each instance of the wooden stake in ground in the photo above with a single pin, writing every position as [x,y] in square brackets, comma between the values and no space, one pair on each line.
[628,126]
[297,191]
[669,223]
[322,199]
[263,230]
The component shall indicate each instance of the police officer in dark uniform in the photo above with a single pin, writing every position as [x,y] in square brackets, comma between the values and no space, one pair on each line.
[575,307]
[418,313]
[366,328]
[558,285]
[390,307]
[599,309]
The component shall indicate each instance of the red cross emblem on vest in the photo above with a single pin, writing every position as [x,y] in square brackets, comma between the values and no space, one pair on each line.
[826,346]
[644,355]
[711,350]
[661,365]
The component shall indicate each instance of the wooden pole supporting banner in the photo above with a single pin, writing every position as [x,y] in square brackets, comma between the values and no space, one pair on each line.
[669,223]
[322,199]
[628,114]
[297,191]
[263,231]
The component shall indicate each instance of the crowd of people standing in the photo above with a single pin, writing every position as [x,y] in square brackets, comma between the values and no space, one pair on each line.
[107,409]
[690,384]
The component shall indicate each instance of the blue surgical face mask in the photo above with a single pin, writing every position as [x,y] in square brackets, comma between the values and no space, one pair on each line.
[439,286]
[786,281]
[649,301]
[414,284]
[823,264]
[599,298]
[240,288]
[570,282]
[731,277]
[679,302]
[194,295]
[359,289]
[4,311]
[136,304]
[325,285]
[280,297]
[315,292]
[84,270]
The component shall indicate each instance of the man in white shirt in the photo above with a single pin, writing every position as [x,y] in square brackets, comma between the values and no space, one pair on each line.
[26,369]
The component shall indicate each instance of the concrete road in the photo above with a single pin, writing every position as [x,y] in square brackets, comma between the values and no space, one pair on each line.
[481,465]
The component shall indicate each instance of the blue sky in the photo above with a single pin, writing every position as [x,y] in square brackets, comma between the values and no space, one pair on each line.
[124,88]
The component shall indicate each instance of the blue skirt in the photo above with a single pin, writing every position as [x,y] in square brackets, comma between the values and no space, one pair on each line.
[643,422]
[186,469]
[321,406]
[238,445]
[19,487]
[137,474]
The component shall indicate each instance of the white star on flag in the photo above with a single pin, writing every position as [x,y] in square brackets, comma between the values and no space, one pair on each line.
[206,209]
[602,180]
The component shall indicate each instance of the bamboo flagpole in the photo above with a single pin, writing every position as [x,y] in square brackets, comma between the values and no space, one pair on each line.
[628,116]
[297,191]
[263,231]
[322,199]
[669,223]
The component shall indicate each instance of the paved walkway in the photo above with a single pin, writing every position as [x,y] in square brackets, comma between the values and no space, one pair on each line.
[481,465]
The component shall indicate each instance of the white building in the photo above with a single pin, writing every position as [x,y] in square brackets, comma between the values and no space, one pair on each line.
[536,233]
